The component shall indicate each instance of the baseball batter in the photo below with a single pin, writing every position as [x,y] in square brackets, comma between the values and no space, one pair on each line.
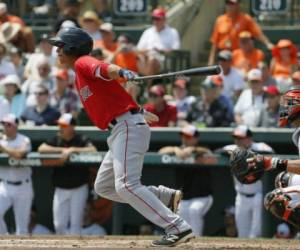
[110,106]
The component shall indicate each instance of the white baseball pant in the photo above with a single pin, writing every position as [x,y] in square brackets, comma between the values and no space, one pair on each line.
[20,198]
[119,176]
[68,207]
[194,210]
[248,215]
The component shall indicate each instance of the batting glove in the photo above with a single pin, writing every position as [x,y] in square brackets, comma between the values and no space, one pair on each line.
[127,74]
[269,163]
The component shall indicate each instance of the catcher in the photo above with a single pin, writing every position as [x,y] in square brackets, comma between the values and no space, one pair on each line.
[248,167]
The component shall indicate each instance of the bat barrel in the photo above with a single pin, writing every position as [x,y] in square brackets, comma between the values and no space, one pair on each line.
[200,71]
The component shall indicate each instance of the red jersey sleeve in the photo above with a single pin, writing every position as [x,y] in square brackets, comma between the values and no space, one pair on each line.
[88,65]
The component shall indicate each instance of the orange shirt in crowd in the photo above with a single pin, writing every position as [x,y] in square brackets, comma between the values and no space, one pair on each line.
[13,19]
[280,69]
[226,30]
[111,47]
[127,60]
[248,61]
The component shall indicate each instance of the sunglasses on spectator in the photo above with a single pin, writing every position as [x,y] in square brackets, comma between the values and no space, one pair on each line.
[6,124]
[40,93]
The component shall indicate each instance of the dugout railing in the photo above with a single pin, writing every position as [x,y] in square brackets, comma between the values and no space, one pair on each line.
[158,169]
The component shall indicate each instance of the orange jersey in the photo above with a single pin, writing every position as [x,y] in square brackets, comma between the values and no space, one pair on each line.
[111,47]
[226,30]
[248,61]
[127,60]
[280,69]
[13,19]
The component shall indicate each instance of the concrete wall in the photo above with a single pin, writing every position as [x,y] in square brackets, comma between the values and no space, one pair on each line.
[196,32]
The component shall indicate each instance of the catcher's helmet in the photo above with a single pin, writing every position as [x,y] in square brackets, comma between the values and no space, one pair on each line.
[290,106]
[74,41]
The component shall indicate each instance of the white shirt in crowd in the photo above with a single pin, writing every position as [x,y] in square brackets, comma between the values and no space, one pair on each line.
[33,60]
[256,186]
[6,68]
[4,107]
[249,107]
[12,173]
[233,81]
[166,39]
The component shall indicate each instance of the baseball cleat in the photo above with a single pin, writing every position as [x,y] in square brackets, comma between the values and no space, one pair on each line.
[175,200]
[170,240]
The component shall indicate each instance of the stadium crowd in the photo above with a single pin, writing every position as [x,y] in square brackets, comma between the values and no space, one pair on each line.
[37,91]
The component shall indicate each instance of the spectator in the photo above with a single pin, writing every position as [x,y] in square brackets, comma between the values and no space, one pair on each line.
[16,185]
[44,50]
[69,15]
[251,101]
[41,7]
[18,60]
[181,100]
[126,55]
[6,68]
[98,54]
[233,79]
[269,116]
[107,43]
[296,78]
[70,182]
[13,94]
[157,105]
[62,97]
[4,110]
[284,60]
[209,110]
[6,17]
[43,78]
[249,199]
[267,78]
[228,27]
[155,42]
[195,183]
[17,36]
[41,113]
[247,56]
[90,22]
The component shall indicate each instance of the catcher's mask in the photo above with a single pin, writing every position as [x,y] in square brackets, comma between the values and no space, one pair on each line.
[289,106]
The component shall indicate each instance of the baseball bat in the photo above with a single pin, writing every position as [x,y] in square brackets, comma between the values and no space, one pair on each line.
[200,71]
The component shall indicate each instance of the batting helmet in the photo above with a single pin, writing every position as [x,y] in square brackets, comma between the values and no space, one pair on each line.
[74,41]
[283,180]
[290,106]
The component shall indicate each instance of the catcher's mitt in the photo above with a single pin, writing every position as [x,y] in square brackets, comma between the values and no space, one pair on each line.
[278,202]
[240,168]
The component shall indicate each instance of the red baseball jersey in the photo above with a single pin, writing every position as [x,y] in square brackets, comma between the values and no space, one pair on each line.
[169,113]
[102,98]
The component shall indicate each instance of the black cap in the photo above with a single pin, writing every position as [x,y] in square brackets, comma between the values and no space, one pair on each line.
[72,2]
[225,55]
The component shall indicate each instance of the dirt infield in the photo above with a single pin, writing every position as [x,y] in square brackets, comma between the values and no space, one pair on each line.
[132,242]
